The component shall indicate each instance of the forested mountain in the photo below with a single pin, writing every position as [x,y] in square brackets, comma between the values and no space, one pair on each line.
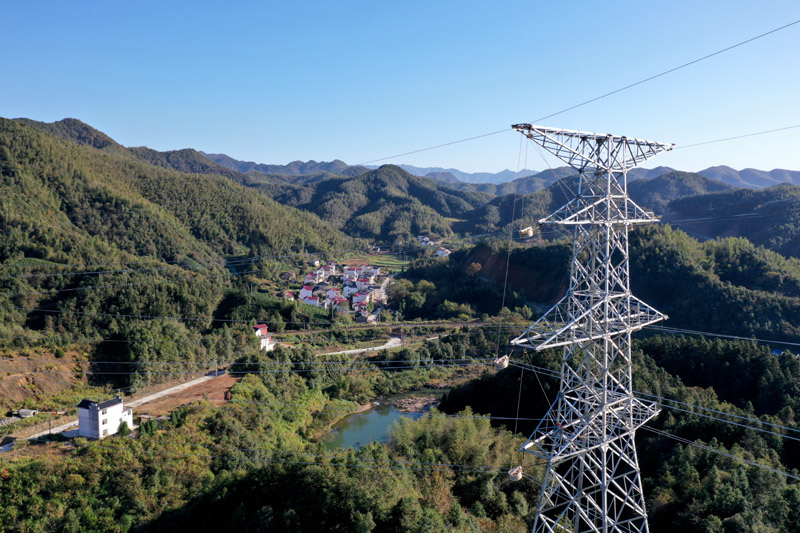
[73,130]
[384,204]
[120,199]
[768,217]
[91,234]
[650,193]
[728,286]
[655,193]
[523,185]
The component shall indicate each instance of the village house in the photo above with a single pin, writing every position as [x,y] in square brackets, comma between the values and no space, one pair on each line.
[442,252]
[368,271]
[315,276]
[350,274]
[349,289]
[97,420]
[333,292]
[363,283]
[340,303]
[329,270]
[362,297]
[306,291]
[262,332]
[289,295]
[311,300]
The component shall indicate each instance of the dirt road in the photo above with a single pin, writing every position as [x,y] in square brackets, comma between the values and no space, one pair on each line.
[393,342]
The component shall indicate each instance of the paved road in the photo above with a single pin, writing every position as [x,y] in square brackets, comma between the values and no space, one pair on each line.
[393,342]
[133,403]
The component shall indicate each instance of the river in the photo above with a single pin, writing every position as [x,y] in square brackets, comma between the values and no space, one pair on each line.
[359,429]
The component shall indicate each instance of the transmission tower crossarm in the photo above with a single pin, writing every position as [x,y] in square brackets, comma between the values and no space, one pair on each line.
[572,146]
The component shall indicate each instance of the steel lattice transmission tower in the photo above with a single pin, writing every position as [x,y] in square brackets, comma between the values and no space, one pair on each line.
[592,482]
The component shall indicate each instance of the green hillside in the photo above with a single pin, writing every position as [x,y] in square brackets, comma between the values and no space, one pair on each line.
[650,193]
[728,286]
[526,210]
[385,204]
[768,217]
[149,210]
[131,239]
[655,193]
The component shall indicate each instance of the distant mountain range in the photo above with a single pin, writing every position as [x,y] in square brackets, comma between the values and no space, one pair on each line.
[505,181]
[750,178]
[295,168]
[468,177]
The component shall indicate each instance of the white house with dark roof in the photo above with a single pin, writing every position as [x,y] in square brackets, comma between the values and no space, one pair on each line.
[97,420]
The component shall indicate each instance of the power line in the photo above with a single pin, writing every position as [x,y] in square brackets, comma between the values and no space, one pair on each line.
[737,136]
[720,335]
[664,73]
[621,89]
[720,452]
[396,365]
[660,401]
[436,146]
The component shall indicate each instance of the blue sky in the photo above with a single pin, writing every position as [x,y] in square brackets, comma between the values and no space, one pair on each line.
[355,80]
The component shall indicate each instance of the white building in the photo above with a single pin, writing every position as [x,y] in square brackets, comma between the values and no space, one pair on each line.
[262,332]
[311,300]
[306,291]
[333,293]
[350,288]
[442,252]
[350,274]
[97,420]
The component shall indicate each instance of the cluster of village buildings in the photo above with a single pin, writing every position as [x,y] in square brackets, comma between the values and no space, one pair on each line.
[346,289]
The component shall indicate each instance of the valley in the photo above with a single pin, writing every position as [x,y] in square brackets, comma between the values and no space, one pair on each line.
[127,269]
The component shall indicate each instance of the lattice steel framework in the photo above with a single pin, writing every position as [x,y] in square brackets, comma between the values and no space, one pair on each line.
[592,482]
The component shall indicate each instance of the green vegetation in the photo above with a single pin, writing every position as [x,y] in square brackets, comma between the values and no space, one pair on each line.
[254,464]
[157,263]
[655,193]
[689,488]
[387,204]
[768,217]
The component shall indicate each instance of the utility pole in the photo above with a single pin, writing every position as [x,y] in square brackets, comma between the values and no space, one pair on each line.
[592,482]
